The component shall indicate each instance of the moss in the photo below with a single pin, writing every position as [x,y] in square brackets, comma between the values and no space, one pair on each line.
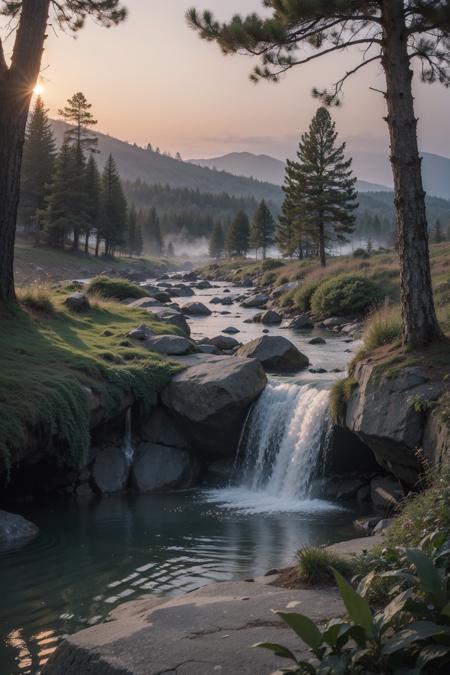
[118,289]
[339,397]
[48,367]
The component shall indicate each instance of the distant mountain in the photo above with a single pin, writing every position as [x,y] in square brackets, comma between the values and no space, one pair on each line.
[136,163]
[373,167]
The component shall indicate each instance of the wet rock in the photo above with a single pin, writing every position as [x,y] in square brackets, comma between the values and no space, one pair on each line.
[161,429]
[161,296]
[224,342]
[174,318]
[381,526]
[276,353]
[183,291]
[226,301]
[215,301]
[317,371]
[208,349]
[218,392]
[258,300]
[203,285]
[386,493]
[172,345]
[158,468]
[110,470]
[317,341]
[270,318]
[15,530]
[366,525]
[190,276]
[77,302]
[196,309]
[144,303]
[300,322]
[231,330]
[333,321]
[284,288]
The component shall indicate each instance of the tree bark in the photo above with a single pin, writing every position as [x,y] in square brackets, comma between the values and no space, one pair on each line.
[16,89]
[420,324]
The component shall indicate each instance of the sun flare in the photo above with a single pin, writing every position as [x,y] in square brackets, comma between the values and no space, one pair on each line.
[38,90]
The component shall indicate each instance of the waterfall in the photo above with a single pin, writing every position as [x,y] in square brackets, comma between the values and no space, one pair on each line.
[283,439]
[128,449]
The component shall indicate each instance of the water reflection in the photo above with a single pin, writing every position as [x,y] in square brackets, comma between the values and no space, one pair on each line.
[91,558]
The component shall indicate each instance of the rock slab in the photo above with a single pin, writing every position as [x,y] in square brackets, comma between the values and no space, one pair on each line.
[275,353]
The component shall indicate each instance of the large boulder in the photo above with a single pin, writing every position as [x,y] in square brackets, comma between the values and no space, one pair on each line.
[157,468]
[386,493]
[171,316]
[276,353]
[389,410]
[161,429]
[182,291]
[258,300]
[77,302]
[196,309]
[271,318]
[300,322]
[172,345]
[141,333]
[15,530]
[110,470]
[210,401]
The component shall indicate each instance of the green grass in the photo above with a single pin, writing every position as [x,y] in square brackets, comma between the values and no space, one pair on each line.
[339,396]
[383,327]
[315,565]
[117,289]
[48,364]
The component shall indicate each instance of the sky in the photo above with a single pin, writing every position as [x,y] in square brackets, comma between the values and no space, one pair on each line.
[153,80]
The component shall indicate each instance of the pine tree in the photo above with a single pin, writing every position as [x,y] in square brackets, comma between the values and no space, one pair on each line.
[135,244]
[238,235]
[152,233]
[320,187]
[395,33]
[170,250]
[438,237]
[61,214]
[77,112]
[291,237]
[113,220]
[262,229]
[216,242]
[92,200]
[37,165]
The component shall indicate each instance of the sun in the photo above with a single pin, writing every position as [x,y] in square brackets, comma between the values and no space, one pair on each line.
[38,90]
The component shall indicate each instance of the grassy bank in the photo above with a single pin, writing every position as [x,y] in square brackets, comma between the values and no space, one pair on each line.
[46,264]
[49,356]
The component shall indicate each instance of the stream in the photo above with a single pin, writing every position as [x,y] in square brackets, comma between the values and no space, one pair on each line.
[92,556]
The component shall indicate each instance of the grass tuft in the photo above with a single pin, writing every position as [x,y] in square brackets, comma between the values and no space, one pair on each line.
[116,289]
[339,396]
[382,328]
[315,565]
[36,298]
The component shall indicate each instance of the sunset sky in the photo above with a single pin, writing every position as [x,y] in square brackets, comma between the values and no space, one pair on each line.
[153,80]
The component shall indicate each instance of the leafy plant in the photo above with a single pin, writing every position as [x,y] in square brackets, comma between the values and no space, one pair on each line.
[345,294]
[419,403]
[411,635]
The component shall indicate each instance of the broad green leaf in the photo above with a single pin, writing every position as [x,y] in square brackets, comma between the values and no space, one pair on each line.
[415,632]
[430,653]
[428,574]
[304,628]
[278,650]
[446,610]
[357,607]
[395,606]
[335,630]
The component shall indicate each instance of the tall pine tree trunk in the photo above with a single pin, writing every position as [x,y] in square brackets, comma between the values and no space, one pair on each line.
[86,242]
[420,325]
[97,245]
[16,87]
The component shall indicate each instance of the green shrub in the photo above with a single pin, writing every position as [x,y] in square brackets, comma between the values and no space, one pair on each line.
[382,328]
[118,289]
[315,565]
[271,264]
[345,294]
[361,253]
[303,294]
[269,278]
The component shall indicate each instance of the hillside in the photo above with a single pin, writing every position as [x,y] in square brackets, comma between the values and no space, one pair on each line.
[151,167]
[373,167]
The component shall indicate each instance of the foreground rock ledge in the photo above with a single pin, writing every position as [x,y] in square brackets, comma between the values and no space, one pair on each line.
[202,633]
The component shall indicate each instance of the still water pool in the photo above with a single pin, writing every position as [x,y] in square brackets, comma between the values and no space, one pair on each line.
[89,558]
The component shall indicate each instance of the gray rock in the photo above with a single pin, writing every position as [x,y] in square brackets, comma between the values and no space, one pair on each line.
[382,525]
[161,429]
[203,285]
[284,288]
[276,353]
[300,322]
[161,296]
[231,330]
[182,291]
[174,318]
[208,349]
[169,344]
[226,301]
[215,301]
[212,394]
[141,333]
[270,318]
[386,493]
[144,303]
[333,321]
[317,341]
[258,300]
[77,302]
[158,468]
[15,530]
[224,342]
[317,370]
[196,309]
[110,470]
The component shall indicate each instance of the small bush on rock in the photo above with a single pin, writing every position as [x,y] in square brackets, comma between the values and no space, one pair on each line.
[345,294]
[118,289]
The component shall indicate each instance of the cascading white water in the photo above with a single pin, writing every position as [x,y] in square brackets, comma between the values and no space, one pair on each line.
[283,443]
[280,448]
[128,449]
